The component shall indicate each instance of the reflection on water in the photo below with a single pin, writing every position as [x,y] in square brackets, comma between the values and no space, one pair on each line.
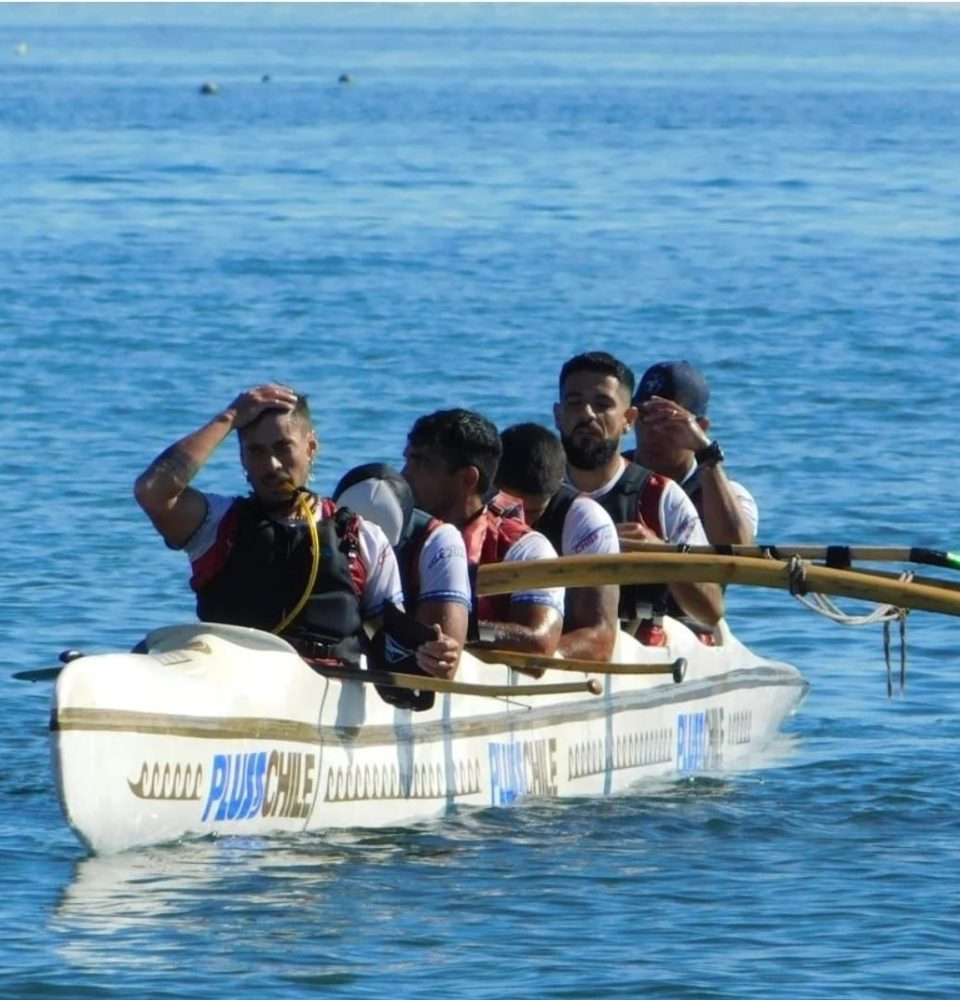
[116,908]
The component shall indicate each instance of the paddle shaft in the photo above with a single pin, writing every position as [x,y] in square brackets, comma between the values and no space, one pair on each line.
[646,567]
[511,658]
[835,556]
[415,682]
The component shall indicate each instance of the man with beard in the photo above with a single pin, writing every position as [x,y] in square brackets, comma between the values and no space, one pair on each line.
[253,558]
[593,413]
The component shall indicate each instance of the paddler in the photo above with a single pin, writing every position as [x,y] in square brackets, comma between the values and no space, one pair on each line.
[532,469]
[672,432]
[451,460]
[431,556]
[253,557]
[593,413]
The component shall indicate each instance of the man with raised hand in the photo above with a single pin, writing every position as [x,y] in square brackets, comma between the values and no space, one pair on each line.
[253,557]
[451,460]
[532,469]
[593,413]
[672,439]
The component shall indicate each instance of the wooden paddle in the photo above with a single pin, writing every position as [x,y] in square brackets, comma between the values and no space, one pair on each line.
[675,668]
[647,567]
[835,556]
[416,682]
[412,682]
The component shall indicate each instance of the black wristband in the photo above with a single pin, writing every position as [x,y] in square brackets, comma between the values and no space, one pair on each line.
[710,456]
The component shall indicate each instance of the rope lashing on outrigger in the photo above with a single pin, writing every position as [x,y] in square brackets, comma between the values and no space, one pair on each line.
[302,494]
[886,613]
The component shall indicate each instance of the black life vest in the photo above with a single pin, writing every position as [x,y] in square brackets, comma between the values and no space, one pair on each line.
[550,523]
[636,497]
[420,527]
[266,568]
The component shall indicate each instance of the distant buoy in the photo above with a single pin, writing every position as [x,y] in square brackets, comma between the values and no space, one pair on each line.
[265,78]
[209,88]
[345,78]
[20,49]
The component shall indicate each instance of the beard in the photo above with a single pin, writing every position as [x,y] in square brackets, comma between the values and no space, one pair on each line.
[592,454]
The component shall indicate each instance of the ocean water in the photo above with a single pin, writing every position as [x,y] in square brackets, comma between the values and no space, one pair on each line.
[770,191]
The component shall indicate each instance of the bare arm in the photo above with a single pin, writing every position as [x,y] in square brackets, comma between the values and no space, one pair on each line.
[669,424]
[722,515]
[449,619]
[163,488]
[590,623]
[701,601]
[531,628]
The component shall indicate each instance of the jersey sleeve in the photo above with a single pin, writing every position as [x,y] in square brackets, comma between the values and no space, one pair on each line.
[382,584]
[204,538]
[589,530]
[679,518]
[747,504]
[444,575]
[533,545]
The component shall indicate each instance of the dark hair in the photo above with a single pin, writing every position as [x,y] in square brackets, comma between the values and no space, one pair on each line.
[300,414]
[603,364]
[463,438]
[533,460]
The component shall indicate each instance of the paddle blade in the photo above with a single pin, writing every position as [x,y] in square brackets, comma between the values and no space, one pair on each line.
[931,557]
[43,674]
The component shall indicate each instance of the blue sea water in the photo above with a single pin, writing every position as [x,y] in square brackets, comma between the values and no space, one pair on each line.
[770,191]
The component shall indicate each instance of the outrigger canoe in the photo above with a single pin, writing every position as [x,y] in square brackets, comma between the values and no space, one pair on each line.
[219,730]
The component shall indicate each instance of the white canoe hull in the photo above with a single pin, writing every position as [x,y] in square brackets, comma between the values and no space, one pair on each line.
[221,730]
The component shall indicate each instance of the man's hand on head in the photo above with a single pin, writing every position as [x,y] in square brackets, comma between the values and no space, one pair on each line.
[250,404]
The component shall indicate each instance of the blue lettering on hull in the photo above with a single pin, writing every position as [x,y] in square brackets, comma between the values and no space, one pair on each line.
[521,769]
[700,740]
[269,784]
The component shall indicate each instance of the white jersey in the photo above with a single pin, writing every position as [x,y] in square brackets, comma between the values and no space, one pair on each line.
[679,519]
[382,575]
[442,567]
[533,545]
[588,530]
[745,500]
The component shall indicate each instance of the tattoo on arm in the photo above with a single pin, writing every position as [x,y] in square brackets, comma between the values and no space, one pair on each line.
[176,464]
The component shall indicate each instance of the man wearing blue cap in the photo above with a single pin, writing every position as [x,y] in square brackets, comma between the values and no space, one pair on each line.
[672,439]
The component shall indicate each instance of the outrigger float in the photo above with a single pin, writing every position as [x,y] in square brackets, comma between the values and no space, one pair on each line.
[219,730]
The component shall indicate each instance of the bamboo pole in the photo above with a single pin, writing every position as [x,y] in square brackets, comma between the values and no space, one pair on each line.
[645,567]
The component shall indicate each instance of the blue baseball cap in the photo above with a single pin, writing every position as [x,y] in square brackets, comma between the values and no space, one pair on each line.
[675,380]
